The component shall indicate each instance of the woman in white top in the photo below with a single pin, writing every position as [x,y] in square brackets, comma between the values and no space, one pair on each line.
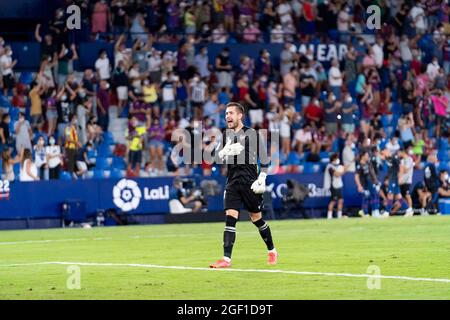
[40,159]
[53,153]
[8,165]
[28,170]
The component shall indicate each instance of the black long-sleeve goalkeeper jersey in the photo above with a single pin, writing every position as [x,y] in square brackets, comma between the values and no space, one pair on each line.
[243,168]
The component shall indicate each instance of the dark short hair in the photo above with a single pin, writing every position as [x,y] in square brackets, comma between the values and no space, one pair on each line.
[237,105]
[333,157]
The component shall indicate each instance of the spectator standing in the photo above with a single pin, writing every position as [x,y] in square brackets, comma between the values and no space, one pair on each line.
[23,133]
[40,159]
[53,156]
[28,170]
[71,143]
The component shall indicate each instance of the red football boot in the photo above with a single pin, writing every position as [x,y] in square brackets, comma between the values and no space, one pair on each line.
[222,263]
[272,257]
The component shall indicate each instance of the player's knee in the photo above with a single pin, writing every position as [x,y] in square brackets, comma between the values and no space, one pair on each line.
[233,213]
[255,216]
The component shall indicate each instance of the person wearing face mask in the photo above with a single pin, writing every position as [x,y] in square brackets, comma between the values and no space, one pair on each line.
[348,154]
[444,186]
[406,176]
[83,107]
[5,134]
[40,159]
[103,105]
[335,78]
[368,185]
[331,108]
[201,62]
[433,68]
[198,95]
[223,69]
[6,66]
[135,135]
[53,156]
[394,193]
[348,114]
[72,143]
[333,182]
[23,131]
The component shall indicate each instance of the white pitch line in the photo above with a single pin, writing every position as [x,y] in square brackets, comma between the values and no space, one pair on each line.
[330,274]
[42,241]
[146,236]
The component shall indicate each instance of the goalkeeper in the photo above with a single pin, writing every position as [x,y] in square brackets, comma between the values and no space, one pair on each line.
[243,148]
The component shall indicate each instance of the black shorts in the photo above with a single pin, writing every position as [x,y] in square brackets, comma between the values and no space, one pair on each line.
[8,81]
[336,194]
[405,189]
[240,194]
[198,104]
[134,157]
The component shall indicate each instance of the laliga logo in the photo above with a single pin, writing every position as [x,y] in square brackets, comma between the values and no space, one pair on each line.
[127,195]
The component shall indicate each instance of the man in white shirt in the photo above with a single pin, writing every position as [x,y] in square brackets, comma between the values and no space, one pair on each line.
[302,139]
[201,61]
[287,58]
[284,11]
[219,35]
[343,20]
[277,34]
[393,146]
[102,66]
[406,176]
[335,78]
[378,52]
[405,51]
[417,15]
[433,68]
[6,67]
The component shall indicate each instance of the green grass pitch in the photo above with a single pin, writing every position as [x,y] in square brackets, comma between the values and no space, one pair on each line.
[417,247]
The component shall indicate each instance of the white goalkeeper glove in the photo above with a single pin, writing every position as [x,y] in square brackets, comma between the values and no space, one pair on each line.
[259,186]
[231,149]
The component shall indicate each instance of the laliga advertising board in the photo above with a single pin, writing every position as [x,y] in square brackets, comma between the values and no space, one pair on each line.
[129,195]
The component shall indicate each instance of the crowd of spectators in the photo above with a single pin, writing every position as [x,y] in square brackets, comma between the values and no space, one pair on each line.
[390,90]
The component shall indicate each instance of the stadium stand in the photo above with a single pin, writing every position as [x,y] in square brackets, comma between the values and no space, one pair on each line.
[155,60]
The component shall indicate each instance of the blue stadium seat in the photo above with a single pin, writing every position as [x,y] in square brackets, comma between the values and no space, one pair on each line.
[197,171]
[311,167]
[104,150]
[16,168]
[64,175]
[443,155]
[101,163]
[293,158]
[215,171]
[116,174]
[99,174]
[108,138]
[324,155]
[118,163]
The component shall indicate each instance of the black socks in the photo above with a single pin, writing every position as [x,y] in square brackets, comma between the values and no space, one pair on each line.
[229,235]
[265,233]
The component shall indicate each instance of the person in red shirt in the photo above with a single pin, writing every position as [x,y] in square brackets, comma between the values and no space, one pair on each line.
[314,113]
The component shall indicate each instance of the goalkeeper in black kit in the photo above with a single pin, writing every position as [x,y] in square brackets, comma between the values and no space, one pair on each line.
[245,186]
